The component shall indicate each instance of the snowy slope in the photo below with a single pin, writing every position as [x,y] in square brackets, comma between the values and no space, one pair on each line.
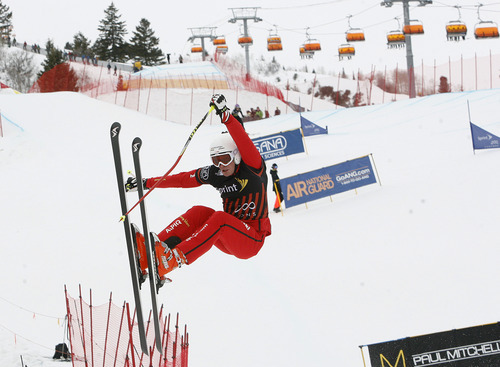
[417,254]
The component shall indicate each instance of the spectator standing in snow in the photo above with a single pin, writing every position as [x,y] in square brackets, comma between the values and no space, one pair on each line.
[238,114]
[276,188]
[258,113]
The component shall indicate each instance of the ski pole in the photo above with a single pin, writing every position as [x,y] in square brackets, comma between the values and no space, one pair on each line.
[171,168]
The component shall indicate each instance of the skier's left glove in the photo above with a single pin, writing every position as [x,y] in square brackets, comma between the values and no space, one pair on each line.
[219,103]
[131,184]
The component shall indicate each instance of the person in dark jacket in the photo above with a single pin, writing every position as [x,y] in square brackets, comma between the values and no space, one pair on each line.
[276,188]
[238,114]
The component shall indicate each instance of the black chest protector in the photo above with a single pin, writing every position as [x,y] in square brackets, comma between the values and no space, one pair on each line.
[244,194]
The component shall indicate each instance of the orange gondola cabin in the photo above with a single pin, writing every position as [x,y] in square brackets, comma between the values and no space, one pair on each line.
[222,49]
[355,35]
[346,50]
[274,43]
[304,54]
[219,41]
[396,39]
[415,27]
[196,49]
[245,40]
[312,45]
[486,29]
[456,30]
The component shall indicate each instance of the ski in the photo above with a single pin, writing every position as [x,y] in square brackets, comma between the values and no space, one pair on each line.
[136,147]
[115,133]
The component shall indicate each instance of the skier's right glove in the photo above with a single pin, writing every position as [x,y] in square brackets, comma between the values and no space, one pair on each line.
[219,103]
[131,184]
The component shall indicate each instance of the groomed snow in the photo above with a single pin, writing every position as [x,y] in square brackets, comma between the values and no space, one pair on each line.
[417,254]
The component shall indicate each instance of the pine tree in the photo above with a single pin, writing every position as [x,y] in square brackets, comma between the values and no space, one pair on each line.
[81,45]
[111,44]
[54,57]
[5,22]
[143,45]
[56,75]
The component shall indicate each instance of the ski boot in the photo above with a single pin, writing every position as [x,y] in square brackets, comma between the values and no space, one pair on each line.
[140,251]
[166,260]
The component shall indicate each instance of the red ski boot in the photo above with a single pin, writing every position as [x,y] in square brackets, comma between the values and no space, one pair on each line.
[167,260]
[140,250]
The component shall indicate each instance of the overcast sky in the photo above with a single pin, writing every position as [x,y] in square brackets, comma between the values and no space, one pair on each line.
[36,21]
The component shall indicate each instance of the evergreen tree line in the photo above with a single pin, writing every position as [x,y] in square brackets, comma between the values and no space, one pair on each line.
[111,44]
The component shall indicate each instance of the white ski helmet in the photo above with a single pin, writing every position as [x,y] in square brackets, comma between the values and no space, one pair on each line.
[224,144]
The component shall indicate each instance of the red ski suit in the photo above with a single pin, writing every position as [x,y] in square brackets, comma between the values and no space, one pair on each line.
[241,228]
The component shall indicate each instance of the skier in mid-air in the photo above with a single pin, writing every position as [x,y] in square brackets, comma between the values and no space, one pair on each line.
[238,172]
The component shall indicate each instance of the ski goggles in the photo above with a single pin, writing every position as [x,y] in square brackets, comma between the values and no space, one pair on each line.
[224,159]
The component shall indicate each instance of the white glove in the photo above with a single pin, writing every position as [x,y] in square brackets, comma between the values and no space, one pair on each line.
[219,102]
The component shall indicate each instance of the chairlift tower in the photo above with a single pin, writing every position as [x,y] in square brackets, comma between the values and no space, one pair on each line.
[245,14]
[202,33]
[409,51]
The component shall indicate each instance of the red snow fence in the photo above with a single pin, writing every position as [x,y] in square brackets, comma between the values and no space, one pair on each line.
[107,336]
[60,78]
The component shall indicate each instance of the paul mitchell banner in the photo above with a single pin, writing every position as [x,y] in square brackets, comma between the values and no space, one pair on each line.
[477,346]
[280,145]
[327,181]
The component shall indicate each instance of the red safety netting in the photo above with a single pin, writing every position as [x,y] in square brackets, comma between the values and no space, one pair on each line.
[107,336]
[239,79]
[60,78]
[159,95]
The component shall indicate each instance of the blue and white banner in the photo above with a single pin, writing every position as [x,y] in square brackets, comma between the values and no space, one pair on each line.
[327,181]
[482,139]
[310,128]
[280,145]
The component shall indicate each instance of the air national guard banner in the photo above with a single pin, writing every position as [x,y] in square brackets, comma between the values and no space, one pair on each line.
[280,145]
[477,346]
[482,139]
[310,128]
[327,181]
